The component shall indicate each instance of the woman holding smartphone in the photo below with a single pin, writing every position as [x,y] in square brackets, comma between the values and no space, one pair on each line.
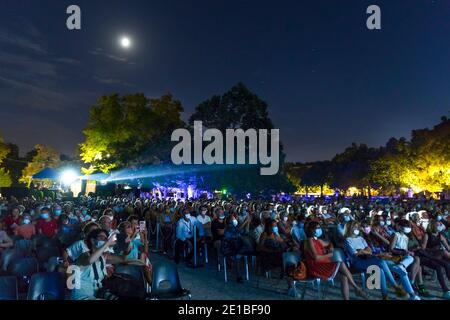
[92,266]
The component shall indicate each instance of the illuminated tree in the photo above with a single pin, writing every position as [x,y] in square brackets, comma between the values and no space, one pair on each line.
[124,130]
[41,157]
[5,179]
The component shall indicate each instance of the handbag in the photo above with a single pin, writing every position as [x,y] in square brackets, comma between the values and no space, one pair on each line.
[298,272]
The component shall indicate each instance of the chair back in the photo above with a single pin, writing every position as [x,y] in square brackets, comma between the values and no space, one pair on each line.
[9,256]
[8,288]
[166,281]
[47,286]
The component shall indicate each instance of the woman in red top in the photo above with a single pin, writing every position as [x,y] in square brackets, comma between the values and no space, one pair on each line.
[319,254]
[46,225]
[12,221]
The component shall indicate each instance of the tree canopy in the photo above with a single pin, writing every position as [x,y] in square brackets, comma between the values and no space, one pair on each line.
[122,128]
[41,157]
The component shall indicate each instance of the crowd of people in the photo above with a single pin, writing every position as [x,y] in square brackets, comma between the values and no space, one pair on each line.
[407,239]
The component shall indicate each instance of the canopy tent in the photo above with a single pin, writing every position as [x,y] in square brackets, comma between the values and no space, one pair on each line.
[47,173]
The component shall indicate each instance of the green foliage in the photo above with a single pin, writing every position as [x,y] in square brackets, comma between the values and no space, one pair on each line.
[5,178]
[123,128]
[41,157]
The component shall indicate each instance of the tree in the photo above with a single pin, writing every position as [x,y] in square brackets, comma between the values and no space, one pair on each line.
[318,174]
[41,157]
[422,164]
[122,131]
[5,179]
[239,108]
[352,167]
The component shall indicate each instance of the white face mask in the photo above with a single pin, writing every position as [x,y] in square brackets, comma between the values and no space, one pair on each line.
[285,219]
[388,222]
[235,223]
[441,228]
[407,230]
[356,232]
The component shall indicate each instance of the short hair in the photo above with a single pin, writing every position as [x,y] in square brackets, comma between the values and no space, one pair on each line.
[132,217]
[88,226]
[403,223]
[93,234]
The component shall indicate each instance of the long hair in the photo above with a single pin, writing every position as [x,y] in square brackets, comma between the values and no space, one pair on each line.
[268,226]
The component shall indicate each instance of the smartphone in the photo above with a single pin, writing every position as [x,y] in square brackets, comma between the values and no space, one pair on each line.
[142,226]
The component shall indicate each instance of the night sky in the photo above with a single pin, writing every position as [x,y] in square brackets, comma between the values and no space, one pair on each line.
[328,80]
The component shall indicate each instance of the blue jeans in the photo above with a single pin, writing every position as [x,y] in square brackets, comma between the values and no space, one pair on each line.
[403,279]
[362,265]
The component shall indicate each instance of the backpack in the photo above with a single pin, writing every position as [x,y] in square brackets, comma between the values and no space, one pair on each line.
[125,287]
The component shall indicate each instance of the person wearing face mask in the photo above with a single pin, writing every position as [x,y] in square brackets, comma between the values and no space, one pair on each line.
[343,219]
[417,229]
[231,244]
[381,239]
[184,237]
[408,261]
[57,211]
[46,225]
[271,246]
[26,228]
[73,251]
[205,220]
[319,264]
[284,227]
[361,257]
[92,265]
[433,256]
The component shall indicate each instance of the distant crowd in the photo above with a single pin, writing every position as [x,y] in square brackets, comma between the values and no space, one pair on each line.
[408,239]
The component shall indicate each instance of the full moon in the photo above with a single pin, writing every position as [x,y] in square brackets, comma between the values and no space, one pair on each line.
[125,42]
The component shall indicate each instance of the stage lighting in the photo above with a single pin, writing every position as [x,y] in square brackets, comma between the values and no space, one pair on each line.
[68,177]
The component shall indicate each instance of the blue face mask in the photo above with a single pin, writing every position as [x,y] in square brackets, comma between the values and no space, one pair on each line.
[318,233]
[275,230]
[44,216]
[439,218]
[347,218]
[235,223]
[58,212]
[26,221]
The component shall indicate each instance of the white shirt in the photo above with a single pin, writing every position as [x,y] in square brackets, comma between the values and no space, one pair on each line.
[402,241]
[88,284]
[185,229]
[77,249]
[258,232]
[203,219]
